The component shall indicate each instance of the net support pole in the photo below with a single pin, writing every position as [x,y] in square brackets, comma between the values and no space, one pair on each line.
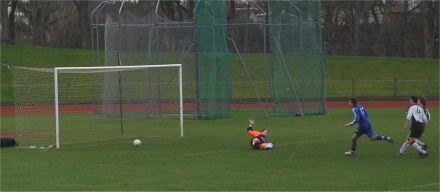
[94,20]
[301,49]
[181,100]
[57,118]
[288,75]
[249,77]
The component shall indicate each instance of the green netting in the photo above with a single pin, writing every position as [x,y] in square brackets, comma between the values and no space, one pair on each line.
[152,39]
[212,60]
[297,57]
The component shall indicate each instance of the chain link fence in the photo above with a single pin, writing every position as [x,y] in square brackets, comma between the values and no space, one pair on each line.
[337,90]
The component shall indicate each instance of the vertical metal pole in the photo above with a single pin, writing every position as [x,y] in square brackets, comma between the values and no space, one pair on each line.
[120,64]
[352,87]
[57,118]
[95,27]
[214,25]
[301,50]
[181,100]
[158,54]
[430,87]
[199,113]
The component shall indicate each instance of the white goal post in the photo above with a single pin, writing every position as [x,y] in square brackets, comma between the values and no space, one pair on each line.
[117,69]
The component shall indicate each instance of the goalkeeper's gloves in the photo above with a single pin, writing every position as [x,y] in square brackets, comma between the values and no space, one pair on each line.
[251,122]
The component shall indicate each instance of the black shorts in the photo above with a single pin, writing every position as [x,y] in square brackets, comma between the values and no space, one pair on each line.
[257,144]
[416,130]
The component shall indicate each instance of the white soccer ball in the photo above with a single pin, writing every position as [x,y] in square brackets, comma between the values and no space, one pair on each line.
[137,142]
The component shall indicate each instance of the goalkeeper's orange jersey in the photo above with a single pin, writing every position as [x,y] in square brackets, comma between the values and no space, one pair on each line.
[256,134]
[253,133]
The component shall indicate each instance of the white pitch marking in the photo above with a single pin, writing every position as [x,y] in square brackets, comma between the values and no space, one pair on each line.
[418,186]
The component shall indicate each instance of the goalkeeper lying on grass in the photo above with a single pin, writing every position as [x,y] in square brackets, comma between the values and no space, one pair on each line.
[258,138]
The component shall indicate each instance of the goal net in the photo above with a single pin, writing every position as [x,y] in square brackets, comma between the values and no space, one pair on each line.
[69,105]
[213,59]
[297,58]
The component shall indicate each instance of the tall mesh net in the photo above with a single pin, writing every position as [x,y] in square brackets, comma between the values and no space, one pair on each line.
[145,105]
[289,29]
[247,40]
[297,57]
[34,109]
[212,60]
[150,40]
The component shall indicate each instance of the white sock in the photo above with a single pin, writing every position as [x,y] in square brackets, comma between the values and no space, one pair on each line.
[268,145]
[418,148]
[403,148]
[419,142]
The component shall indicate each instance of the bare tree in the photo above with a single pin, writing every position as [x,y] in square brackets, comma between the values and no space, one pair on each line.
[5,22]
[231,10]
[12,22]
[168,8]
[430,10]
[333,23]
[66,32]
[190,8]
[381,40]
[39,18]
[354,10]
[84,25]
[368,27]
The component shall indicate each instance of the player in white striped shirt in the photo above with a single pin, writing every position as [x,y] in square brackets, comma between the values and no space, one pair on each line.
[422,103]
[416,116]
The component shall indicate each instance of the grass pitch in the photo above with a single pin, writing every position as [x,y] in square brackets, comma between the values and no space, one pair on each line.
[215,155]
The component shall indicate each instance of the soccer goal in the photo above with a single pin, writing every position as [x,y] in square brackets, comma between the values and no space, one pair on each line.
[98,103]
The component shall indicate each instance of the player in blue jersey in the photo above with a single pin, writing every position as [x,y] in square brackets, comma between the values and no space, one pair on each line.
[361,118]
[417,118]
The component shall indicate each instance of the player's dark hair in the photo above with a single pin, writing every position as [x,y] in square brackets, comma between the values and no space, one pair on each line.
[263,130]
[354,101]
[422,100]
[414,99]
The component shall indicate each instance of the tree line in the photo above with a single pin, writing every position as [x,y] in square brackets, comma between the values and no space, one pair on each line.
[393,28]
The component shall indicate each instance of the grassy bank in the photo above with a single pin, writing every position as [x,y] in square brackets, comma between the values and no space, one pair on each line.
[372,77]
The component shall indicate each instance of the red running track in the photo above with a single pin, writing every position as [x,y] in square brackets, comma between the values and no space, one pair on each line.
[10,110]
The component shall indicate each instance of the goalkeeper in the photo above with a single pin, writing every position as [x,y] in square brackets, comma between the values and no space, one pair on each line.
[258,138]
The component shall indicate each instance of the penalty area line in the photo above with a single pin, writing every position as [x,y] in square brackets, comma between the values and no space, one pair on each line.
[417,186]
[312,141]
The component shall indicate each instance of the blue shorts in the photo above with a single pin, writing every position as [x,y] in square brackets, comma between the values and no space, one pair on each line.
[364,130]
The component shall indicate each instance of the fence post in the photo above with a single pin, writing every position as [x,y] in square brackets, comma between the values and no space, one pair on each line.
[190,89]
[430,87]
[395,87]
[230,90]
[68,92]
[352,87]
[28,93]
